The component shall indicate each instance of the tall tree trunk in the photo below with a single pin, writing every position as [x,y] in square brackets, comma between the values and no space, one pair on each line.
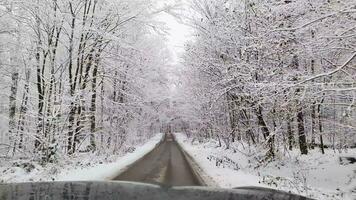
[265,131]
[50,127]
[245,120]
[313,111]
[290,135]
[93,102]
[72,84]
[301,131]
[23,109]
[84,61]
[232,115]
[321,128]
[40,91]
[313,129]
[12,106]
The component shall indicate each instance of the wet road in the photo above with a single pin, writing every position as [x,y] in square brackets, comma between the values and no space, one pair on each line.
[165,165]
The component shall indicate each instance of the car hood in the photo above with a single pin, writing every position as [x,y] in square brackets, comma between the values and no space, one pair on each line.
[117,190]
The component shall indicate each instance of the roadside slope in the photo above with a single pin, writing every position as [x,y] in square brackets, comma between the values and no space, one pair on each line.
[316,176]
[84,168]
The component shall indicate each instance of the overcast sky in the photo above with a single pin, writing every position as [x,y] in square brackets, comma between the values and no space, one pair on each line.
[178,33]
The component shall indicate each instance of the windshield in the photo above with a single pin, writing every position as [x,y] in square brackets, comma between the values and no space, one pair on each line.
[233,96]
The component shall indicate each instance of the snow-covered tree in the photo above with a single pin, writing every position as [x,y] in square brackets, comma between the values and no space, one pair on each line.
[273,73]
[79,75]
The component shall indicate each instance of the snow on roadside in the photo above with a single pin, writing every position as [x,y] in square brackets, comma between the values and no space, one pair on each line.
[225,177]
[110,170]
[101,170]
[315,175]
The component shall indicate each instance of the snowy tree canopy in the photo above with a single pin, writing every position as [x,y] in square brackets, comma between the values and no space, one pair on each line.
[273,73]
[80,75]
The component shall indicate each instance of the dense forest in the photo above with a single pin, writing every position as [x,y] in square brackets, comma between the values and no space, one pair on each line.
[79,76]
[235,93]
[277,75]
[83,76]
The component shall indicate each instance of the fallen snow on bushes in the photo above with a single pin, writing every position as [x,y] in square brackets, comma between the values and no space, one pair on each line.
[314,175]
[86,167]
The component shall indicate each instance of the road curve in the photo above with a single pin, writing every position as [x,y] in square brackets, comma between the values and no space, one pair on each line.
[165,165]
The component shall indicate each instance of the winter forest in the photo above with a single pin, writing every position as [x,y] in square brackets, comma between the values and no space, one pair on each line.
[95,78]
[78,76]
[276,74]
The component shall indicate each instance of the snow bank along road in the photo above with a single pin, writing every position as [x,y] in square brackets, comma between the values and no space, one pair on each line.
[165,165]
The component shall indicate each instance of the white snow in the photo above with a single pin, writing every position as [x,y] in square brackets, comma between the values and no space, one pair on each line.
[315,175]
[110,170]
[81,172]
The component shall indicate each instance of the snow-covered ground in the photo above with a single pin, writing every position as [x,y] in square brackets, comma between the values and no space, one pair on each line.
[82,168]
[314,175]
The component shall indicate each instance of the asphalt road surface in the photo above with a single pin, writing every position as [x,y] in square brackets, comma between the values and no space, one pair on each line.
[165,165]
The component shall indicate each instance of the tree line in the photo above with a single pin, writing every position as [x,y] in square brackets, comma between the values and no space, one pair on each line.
[77,75]
[273,74]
